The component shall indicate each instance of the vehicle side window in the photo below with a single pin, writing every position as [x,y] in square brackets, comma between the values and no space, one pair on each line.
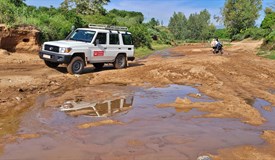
[114,39]
[127,39]
[102,37]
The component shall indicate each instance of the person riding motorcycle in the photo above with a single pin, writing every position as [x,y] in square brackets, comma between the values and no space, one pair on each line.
[217,46]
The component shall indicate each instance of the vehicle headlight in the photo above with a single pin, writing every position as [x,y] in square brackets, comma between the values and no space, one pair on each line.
[64,50]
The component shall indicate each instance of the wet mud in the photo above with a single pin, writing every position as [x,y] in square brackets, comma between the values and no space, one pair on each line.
[129,127]
[179,103]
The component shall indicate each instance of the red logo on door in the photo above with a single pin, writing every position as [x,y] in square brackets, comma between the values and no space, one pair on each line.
[98,53]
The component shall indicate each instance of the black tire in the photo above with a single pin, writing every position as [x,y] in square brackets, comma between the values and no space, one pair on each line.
[120,61]
[98,66]
[76,65]
[51,64]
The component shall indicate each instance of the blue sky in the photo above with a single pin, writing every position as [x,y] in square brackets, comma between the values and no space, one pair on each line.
[160,9]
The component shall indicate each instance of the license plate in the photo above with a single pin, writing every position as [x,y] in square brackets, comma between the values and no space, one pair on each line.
[46,56]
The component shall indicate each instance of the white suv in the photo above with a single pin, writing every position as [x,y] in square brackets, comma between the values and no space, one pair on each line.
[97,45]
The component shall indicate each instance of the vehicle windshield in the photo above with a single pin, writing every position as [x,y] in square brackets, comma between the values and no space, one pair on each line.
[82,35]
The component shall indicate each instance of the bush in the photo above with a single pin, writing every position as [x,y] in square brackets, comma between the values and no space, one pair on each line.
[269,42]
[222,34]
[255,33]
[160,34]
[237,37]
[7,12]
[141,36]
[271,37]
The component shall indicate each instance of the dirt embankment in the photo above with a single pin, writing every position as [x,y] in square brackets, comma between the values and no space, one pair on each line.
[234,79]
[20,39]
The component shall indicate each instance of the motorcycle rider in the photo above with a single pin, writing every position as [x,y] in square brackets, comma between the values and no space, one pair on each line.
[216,44]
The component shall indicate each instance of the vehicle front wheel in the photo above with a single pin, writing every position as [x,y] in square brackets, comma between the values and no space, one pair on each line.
[51,64]
[98,66]
[76,66]
[120,61]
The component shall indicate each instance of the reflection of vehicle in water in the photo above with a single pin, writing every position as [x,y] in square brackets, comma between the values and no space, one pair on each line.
[104,109]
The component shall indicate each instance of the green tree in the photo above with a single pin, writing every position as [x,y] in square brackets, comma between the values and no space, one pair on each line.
[126,18]
[199,26]
[239,15]
[269,20]
[85,6]
[18,2]
[7,12]
[178,25]
[153,22]
[268,24]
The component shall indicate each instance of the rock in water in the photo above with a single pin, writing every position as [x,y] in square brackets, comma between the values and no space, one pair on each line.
[204,158]
[184,101]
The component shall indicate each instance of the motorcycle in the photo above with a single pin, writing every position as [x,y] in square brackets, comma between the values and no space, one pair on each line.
[218,49]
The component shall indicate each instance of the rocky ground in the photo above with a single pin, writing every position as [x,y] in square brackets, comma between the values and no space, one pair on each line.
[235,79]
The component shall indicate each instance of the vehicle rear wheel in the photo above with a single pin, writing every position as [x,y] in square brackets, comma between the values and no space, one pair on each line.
[98,66]
[51,64]
[120,61]
[76,66]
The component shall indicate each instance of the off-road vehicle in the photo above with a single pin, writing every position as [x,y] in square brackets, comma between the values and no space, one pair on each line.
[97,45]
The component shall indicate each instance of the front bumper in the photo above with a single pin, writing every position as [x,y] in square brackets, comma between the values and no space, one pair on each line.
[55,57]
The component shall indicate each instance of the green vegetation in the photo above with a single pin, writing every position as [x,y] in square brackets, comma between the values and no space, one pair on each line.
[222,34]
[268,24]
[238,15]
[267,54]
[254,33]
[85,7]
[239,19]
[53,23]
[196,27]
[144,51]
[56,23]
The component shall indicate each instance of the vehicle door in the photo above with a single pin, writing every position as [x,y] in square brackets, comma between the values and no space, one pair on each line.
[114,47]
[128,46]
[98,50]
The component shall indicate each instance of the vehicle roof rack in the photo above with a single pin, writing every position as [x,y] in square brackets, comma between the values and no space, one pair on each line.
[108,27]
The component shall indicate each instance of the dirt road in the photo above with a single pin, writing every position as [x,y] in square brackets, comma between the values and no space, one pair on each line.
[235,80]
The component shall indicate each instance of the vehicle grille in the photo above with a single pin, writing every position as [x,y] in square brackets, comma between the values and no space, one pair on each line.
[51,48]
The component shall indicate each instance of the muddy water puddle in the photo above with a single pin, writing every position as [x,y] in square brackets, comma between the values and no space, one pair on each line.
[167,54]
[129,127]
[267,111]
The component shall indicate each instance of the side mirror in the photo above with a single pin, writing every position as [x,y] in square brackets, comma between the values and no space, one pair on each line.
[72,28]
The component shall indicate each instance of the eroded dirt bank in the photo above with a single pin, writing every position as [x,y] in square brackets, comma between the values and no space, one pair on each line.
[19,39]
[234,80]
